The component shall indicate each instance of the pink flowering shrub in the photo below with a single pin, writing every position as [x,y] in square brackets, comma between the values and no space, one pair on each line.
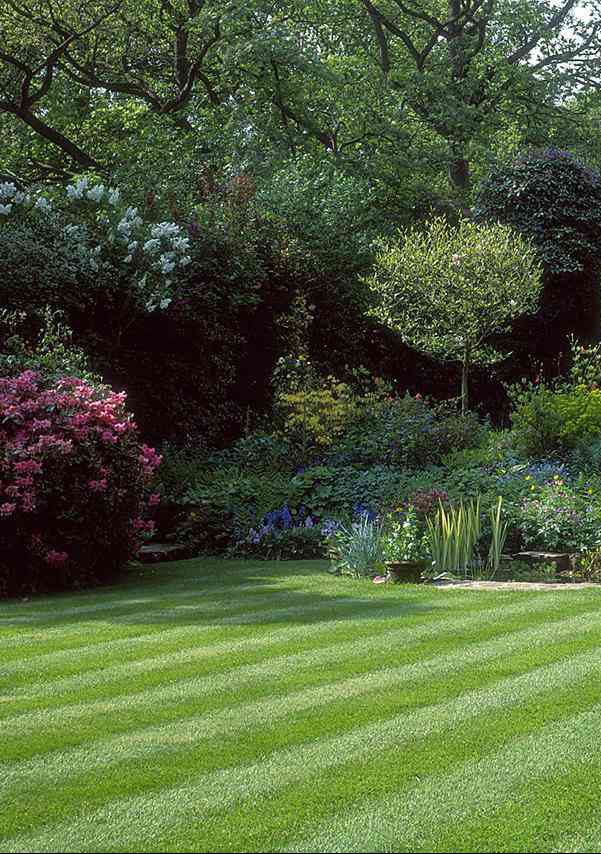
[73,477]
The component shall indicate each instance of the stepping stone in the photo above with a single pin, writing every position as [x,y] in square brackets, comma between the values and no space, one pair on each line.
[154,552]
[560,559]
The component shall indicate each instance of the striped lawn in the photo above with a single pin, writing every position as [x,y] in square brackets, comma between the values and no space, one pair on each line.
[241,706]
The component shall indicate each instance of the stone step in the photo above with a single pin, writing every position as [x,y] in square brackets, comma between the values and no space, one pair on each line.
[155,552]
[560,559]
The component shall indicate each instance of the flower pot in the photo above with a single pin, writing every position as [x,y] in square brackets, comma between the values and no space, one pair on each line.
[409,571]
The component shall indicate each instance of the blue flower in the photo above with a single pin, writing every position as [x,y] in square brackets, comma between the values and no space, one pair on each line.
[286,516]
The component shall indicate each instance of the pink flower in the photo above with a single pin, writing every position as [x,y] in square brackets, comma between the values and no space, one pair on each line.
[28,467]
[56,559]
[8,508]
[98,485]
[154,500]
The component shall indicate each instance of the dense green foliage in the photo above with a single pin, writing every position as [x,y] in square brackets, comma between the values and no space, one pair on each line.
[554,200]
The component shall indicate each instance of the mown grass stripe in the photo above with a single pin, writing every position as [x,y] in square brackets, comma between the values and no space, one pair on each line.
[19,721]
[241,616]
[97,653]
[142,817]
[151,741]
[179,576]
[258,600]
[119,603]
[411,820]
[385,641]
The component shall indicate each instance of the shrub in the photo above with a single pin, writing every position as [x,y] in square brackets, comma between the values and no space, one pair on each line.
[72,480]
[246,497]
[550,196]
[560,518]
[553,199]
[283,536]
[547,421]
[585,368]
[317,413]
[407,432]
[259,453]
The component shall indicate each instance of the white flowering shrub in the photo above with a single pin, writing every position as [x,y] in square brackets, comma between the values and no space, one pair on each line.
[149,256]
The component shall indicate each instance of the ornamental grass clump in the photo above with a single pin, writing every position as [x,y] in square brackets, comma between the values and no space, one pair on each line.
[453,535]
[358,549]
[499,528]
[73,482]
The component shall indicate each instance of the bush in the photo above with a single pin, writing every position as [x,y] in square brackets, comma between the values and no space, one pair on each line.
[560,518]
[245,497]
[283,536]
[550,196]
[258,453]
[331,421]
[548,421]
[43,264]
[554,200]
[72,480]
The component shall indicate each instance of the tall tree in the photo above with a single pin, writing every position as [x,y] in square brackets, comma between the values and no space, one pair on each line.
[473,58]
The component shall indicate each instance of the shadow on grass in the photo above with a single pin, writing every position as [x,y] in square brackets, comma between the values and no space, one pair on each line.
[216,592]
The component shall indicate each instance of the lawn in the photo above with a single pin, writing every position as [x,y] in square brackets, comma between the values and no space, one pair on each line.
[241,706]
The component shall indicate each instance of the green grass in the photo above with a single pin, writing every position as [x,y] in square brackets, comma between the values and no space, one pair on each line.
[242,706]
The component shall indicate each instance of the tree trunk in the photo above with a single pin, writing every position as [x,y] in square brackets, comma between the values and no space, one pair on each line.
[459,167]
[459,173]
[52,135]
[465,369]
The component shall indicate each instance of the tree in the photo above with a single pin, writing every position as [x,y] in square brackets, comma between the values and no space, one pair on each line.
[447,290]
[165,54]
[474,59]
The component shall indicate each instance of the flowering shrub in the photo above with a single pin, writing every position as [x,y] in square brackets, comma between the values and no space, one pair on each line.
[585,369]
[73,475]
[108,231]
[283,536]
[558,517]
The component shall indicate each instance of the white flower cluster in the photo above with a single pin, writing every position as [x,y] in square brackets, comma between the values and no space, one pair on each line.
[167,239]
[128,223]
[97,193]
[9,196]
[159,256]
